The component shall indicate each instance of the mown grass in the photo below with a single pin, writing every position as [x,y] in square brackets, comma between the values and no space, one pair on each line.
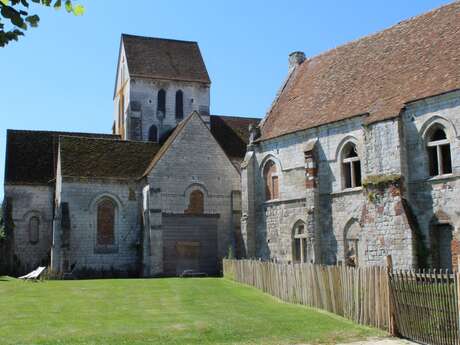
[160,311]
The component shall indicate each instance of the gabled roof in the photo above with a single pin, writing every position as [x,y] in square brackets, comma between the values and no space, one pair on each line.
[102,158]
[160,58]
[232,133]
[375,76]
[31,156]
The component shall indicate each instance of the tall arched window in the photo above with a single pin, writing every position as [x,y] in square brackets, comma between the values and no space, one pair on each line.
[161,102]
[351,166]
[196,202]
[271,181]
[438,146]
[179,104]
[34,229]
[302,249]
[106,222]
[153,133]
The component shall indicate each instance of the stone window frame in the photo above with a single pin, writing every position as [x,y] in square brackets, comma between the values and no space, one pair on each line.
[438,168]
[355,239]
[179,97]
[161,103]
[28,218]
[150,133]
[303,238]
[106,248]
[268,159]
[190,189]
[355,180]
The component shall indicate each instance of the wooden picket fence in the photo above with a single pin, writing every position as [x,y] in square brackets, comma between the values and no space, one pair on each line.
[359,294]
[426,306]
[422,306]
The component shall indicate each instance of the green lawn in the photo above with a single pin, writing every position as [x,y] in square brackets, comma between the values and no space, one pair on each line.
[160,311]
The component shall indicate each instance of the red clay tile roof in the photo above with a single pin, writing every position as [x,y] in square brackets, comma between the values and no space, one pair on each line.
[31,156]
[164,59]
[103,158]
[375,75]
[232,133]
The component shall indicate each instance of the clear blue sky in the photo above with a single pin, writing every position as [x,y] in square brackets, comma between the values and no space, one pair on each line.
[60,76]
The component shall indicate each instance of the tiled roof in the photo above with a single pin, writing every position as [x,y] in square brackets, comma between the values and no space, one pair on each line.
[164,59]
[102,158]
[375,75]
[31,156]
[232,133]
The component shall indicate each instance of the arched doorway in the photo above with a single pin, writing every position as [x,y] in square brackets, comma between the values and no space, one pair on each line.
[351,244]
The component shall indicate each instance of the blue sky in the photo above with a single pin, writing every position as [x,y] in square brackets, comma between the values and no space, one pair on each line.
[60,76]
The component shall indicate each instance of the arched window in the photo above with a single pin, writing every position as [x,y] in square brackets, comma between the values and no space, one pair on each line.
[106,222]
[161,102]
[196,202]
[438,146]
[34,229]
[302,248]
[351,244]
[271,181]
[179,104]
[351,166]
[153,133]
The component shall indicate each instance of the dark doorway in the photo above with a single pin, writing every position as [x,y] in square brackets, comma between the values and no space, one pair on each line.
[441,242]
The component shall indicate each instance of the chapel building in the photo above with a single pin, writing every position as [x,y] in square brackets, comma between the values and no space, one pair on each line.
[158,196]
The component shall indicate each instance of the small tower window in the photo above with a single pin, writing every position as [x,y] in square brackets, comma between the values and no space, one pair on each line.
[351,166]
[34,229]
[161,102]
[153,133]
[439,158]
[106,222]
[179,105]
[271,181]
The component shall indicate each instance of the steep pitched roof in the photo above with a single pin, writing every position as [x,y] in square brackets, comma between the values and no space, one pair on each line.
[375,75]
[159,58]
[102,158]
[31,156]
[232,133]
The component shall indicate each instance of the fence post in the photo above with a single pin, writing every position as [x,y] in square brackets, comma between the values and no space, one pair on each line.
[457,281]
[391,312]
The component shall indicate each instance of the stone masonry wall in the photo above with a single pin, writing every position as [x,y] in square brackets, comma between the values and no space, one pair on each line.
[196,161]
[433,199]
[82,197]
[28,202]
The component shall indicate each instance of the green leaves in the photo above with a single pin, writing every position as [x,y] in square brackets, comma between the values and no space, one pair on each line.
[16,12]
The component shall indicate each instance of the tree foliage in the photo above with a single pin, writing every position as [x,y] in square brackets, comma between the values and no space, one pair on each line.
[15,17]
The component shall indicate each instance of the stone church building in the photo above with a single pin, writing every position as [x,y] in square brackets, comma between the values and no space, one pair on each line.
[359,156]
[158,196]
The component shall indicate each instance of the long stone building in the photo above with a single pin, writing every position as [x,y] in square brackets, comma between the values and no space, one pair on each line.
[158,196]
[359,156]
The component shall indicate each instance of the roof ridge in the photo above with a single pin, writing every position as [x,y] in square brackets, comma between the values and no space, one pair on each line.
[112,140]
[237,117]
[157,38]
[58,132]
